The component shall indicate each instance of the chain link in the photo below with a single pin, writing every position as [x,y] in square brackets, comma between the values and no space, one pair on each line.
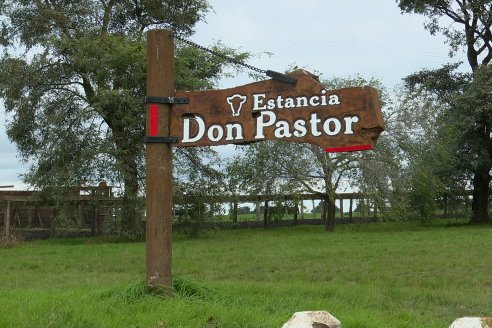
[219,54]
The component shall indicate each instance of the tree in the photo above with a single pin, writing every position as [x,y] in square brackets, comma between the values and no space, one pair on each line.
[471,121]
[254,171]
[73,77]
[472,30]
[195,181]
[472,17]
[413,158]
[282,166]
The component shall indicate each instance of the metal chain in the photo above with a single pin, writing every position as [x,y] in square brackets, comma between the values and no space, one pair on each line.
[219,54]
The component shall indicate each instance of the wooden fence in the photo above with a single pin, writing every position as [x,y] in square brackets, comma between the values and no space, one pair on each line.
[94,206]
[90,207]
[349,205]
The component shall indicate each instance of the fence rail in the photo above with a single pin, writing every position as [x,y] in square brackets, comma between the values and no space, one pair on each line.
[92,207]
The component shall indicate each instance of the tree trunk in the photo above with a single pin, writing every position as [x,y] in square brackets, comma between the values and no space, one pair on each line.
[481,193]
[296,211]
[330,215]
[6,221]
[234,215]
[127,159]
[130,200]
[324,210]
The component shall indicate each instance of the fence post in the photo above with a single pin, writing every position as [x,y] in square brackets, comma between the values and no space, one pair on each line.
[296,211]
[6,221]
[29,216]
[362,207]
[265,214]
[350,208]
[234,214]
[341,206]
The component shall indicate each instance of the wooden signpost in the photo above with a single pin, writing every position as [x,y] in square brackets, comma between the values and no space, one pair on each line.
[293,107]
[159,157]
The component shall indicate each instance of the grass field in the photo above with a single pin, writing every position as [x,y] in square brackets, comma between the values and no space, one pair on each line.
[373,275]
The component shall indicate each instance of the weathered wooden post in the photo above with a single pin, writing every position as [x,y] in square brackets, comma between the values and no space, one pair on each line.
[296,211]
[159,201]
[29,217]
[362,207]
[265,214]
[234,214]
[340,200]
[6,221]
[350,207]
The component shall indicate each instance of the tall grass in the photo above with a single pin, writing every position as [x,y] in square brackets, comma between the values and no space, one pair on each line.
[374,275]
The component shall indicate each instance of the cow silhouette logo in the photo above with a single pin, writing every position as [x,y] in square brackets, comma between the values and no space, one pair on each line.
[236,102]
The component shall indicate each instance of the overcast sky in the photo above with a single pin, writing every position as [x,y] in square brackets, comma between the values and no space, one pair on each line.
[332,37]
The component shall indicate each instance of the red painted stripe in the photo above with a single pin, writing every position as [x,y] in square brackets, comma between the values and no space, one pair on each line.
[348,148]
[154,121]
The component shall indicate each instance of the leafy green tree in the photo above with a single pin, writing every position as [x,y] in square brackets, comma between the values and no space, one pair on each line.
[73,78]
[471,121]
[196,181]
[408,167]
[277,167]
[254,171]
[471,30]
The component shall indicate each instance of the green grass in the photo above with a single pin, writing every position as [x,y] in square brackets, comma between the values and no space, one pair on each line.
[373,275]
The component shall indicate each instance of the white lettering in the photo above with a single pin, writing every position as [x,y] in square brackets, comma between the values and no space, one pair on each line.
[239,132]
[334,100]
[187,129]
[323,98]
[195,128]
[302,102]
[337,126]
[314,125]
[289,103]
[349,120]
[282,130]
[258,101]
[215,133]
[280,100]
[261,123]
[314,101]
[300,128]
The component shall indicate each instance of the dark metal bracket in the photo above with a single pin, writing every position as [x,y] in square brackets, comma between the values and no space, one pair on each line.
[281,77]
[167,100]
[148,139]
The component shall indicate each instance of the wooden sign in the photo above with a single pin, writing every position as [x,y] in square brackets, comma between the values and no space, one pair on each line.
[337,120]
